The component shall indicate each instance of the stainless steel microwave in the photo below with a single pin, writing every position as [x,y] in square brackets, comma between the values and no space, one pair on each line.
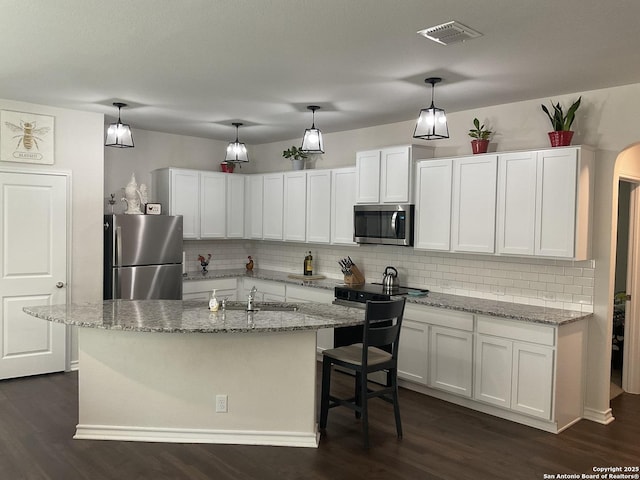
[383,224]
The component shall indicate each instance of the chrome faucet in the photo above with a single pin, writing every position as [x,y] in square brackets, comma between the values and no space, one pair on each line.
[252,295]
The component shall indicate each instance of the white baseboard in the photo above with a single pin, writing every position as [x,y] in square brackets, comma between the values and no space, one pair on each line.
[604,417]
[181,435]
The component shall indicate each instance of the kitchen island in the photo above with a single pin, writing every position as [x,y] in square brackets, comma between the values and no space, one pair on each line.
[161,370]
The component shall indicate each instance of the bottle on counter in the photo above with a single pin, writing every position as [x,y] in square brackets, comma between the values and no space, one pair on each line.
[308,264]
[213,302]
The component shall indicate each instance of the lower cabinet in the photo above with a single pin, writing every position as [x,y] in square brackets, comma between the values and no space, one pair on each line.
[515,366]
[201,289]
[451,360]
[412,355]
[266,291]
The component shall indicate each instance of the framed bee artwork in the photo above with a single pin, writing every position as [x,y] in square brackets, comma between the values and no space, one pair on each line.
[26,137]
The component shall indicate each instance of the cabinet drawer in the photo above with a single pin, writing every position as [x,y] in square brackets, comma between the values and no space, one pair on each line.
[523,331]
[440,316]
[192,286]
[308,294]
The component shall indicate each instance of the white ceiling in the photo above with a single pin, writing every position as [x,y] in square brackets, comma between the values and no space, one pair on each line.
[193,67]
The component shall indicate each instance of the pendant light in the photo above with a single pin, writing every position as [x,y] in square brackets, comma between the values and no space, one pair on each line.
[119,134]
[312,140]
[432,121]
[236,151]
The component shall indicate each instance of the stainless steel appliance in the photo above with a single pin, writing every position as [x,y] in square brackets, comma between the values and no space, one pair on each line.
[383,224]
[390,279]
[142,257]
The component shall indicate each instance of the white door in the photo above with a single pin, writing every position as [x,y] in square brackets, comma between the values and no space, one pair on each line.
[213,205]
[185,201]
[33,266]
[295,205]
[235,205]
[368,177]
[433,205]
[451,360]
[343,197]
[395,175]
[272,206]
[412,356]
[493,365]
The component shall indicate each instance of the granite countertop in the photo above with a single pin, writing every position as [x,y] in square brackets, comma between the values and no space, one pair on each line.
[479,306]
[192,316]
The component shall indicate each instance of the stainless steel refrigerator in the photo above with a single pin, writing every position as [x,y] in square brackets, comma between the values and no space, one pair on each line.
[143,257]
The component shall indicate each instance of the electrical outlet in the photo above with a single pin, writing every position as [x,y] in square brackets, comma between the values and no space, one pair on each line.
[221,404]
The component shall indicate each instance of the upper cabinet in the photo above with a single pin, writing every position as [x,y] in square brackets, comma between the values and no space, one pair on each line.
[343,197]
[202,198]
[530,203]
[295,205]
[318,218]
[545,203]
[386,175]
[253,206]
[474,204]
[272,206]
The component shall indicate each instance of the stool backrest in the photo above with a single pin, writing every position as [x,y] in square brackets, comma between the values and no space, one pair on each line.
[382,323]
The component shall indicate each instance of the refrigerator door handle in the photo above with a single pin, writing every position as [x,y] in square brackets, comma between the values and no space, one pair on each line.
[118,247]
[115,283]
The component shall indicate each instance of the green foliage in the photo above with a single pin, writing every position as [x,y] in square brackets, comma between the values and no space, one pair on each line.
[294,153]
[479,132]
[559,121]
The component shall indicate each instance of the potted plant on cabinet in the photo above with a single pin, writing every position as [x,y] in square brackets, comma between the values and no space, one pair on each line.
[480,135]
[561,123]
[296,156]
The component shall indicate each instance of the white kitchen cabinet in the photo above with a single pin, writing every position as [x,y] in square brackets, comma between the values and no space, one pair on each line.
[178,191]
[199,196]
[213,205]
[272,206]
[515,365]
[368,177]
[254,189]
[545,203]
[532,382]
[516,211]
[473,220]
[318,217]
[343,198]
[298,294]
[451,360]
[295,206]
[413,353]
[433,205]
[201,289]
[235,205]
[493,370]
[386,175]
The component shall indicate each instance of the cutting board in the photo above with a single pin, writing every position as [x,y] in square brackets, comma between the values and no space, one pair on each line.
[307,277]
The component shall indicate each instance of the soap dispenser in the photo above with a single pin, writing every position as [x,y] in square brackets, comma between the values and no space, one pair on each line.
[213,302]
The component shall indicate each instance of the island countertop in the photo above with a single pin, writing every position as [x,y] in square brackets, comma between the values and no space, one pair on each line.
[192,316]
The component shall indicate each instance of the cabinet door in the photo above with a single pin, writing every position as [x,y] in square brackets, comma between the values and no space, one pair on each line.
[474,204]
[295,206]
[254,213]
[532,382]
[395,175]
[213,205]
[273,201]
[413,353]
[235,205]
[368,177]
[433,205]
[185,200]
[297,294]
[493,367]
[343,198]
[516,203]
[318,206]
[556,203]
[450,360]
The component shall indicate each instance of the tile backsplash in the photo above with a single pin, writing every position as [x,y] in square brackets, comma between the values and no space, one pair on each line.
[562,284]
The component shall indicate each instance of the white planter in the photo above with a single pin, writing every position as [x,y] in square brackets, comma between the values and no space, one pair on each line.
[297,164]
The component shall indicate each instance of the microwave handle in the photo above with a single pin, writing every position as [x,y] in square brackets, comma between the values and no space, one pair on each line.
[394,223]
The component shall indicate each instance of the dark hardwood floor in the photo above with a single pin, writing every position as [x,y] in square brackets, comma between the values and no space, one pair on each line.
[441,441]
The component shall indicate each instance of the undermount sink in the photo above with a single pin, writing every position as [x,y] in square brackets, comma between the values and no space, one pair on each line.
[264,306]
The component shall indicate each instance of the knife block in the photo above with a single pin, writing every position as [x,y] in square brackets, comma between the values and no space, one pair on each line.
[356,277]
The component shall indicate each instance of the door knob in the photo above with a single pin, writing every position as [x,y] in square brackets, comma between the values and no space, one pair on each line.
[59,285]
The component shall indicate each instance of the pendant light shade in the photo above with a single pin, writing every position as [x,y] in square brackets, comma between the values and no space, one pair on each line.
[432,121]
[236,151]
[119,134]
[312,140]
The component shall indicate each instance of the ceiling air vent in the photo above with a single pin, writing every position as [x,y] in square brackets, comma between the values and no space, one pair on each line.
[448,33]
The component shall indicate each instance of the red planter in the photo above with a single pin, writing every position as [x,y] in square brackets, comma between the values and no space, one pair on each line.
[226,167]
[560,139]
[479,146]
